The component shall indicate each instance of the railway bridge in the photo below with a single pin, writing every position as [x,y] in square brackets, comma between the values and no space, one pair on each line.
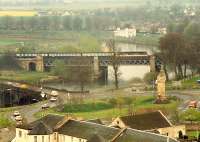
[99,61]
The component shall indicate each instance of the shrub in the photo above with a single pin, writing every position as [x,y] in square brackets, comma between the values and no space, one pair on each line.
[150,77]
[4,122]
[89,107]
[190,115]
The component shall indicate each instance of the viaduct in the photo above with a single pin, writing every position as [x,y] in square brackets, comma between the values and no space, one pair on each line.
[99,61]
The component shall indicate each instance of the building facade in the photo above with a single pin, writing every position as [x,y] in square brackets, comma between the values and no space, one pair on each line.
[126,33]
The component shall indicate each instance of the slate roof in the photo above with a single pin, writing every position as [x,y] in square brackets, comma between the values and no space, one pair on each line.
[41,129]
[96,138]
[85,130]
[132,135]
[100,133]
[147,121]
[92,132]
[45,125]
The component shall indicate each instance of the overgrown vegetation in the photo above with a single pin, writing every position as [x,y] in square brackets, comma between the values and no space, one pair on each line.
[191,115]
[23,76]
[4,122]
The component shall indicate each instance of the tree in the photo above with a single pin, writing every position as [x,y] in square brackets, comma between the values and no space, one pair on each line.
[191,115]
[82,73]
[77,23]
[120,103]
[44,23]
[76,70]
[192,30]
[192,34]
[8,61]
[7,21]
[115,61]
[55,23]
[128,101]
[59,69]
[32,23]
[67,23]
[89,24]
[172,52]
[113,102]
[150,78]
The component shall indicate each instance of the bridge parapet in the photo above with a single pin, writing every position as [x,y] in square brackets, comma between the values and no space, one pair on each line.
[90,54]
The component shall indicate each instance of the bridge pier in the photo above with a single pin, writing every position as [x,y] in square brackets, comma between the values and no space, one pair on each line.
[32,64]
[39,64]
[96,68]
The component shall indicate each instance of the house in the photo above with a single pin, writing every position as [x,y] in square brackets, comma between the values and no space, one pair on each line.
[54,128]
[162,30]
[155,122]
[126,33]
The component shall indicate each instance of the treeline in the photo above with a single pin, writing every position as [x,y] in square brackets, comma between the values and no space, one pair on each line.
[57,23]
[180,49]
[103,19]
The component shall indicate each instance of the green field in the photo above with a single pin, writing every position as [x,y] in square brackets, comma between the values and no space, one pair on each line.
[52,41]
[191,83]
[103,109]
[65,41]
[142,39]
[23,76]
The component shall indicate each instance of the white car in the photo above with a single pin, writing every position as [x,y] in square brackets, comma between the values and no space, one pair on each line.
[18,118]
[53,99]
[16,113]
[45,106]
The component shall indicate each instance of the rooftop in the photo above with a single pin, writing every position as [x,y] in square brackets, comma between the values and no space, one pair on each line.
[147,121]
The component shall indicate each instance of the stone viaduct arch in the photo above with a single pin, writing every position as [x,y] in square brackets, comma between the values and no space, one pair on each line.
[32,64]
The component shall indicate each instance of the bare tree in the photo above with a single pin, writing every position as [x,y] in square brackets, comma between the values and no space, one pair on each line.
[115,61]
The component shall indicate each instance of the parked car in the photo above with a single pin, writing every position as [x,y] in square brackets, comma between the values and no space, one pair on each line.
[192,104]
[16,113]
[45,106]
[18,118]
[34,101]
[53,99]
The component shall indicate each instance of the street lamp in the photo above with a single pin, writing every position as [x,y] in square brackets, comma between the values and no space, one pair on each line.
[10,97]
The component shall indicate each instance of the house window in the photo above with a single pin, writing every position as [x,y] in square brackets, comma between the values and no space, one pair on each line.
[20,133]
[54,136]
[42,138]
[35,138]
[49,138]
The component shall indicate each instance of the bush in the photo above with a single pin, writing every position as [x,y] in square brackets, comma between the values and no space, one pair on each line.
[150,77]
[136,80]
[89,107]
[190,115]
[4,122]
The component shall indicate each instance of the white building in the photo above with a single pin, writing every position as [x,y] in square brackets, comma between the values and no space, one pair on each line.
[127,32]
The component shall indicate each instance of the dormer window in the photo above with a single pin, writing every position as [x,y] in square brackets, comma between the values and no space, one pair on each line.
[54,136]
[35,138]
[20,134]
